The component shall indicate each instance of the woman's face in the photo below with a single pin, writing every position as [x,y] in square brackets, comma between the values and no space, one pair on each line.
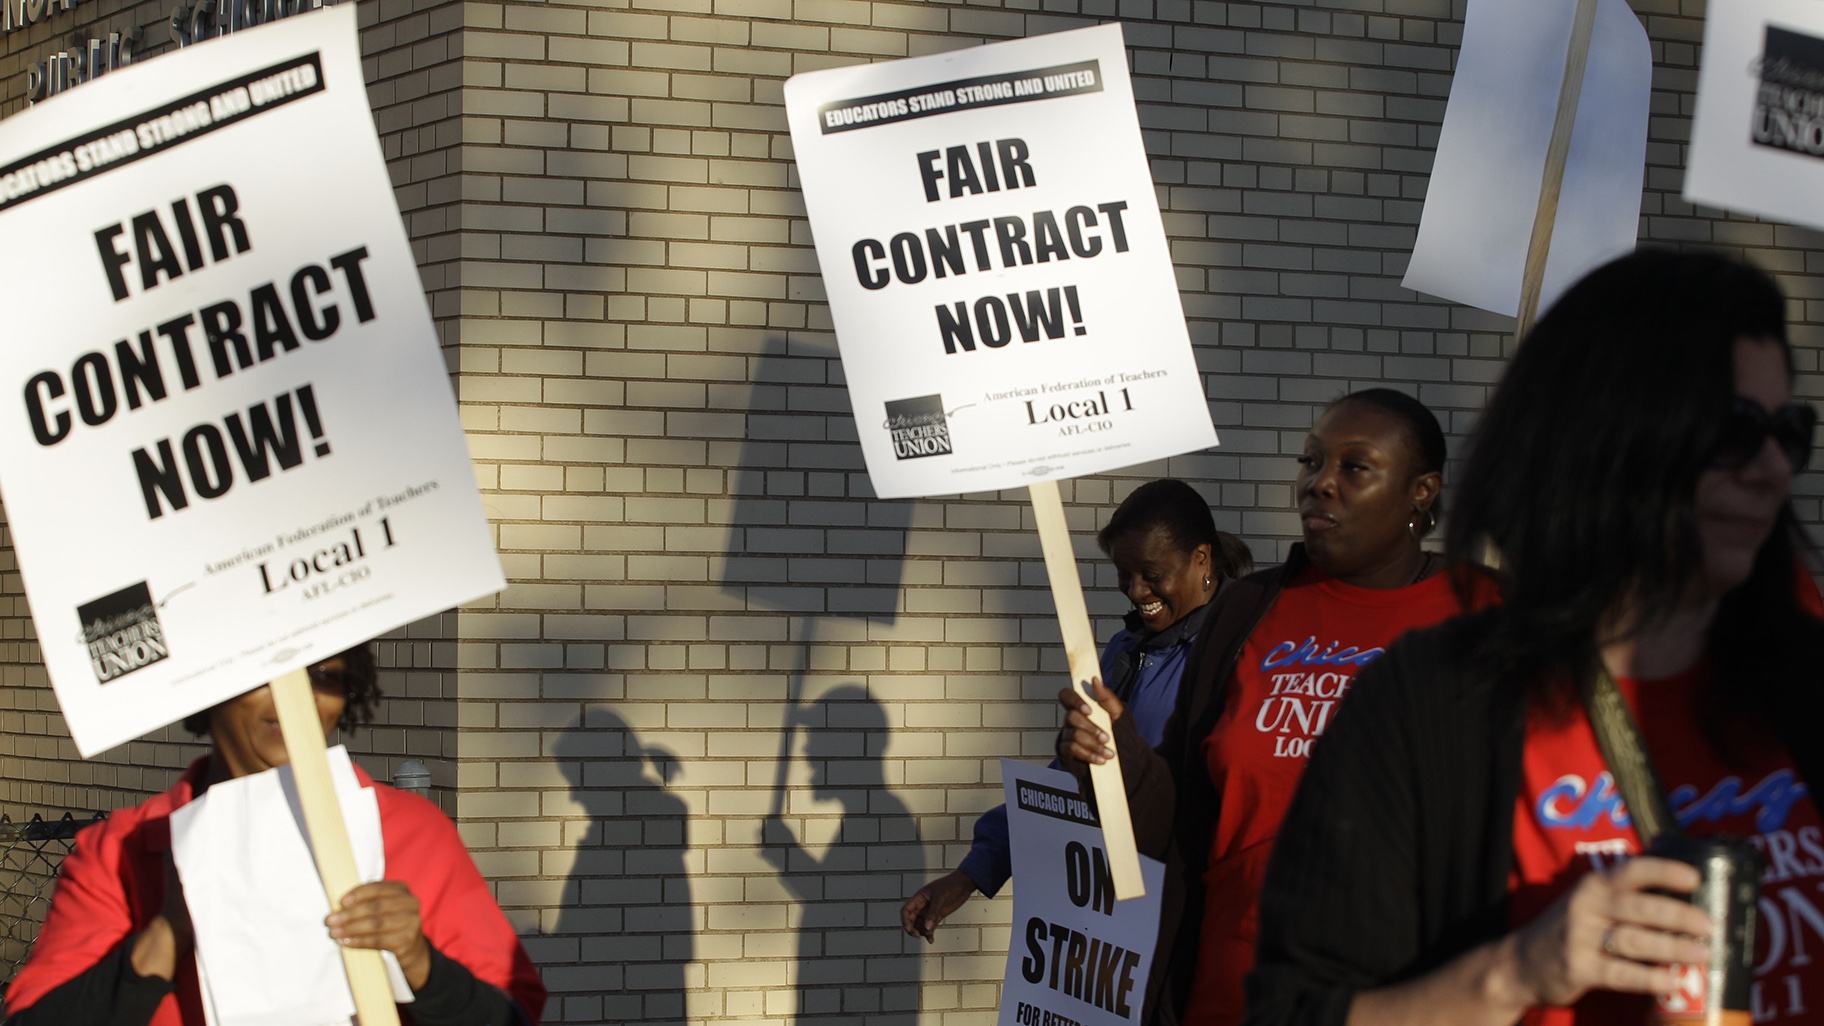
[1359,491]
[1164,582]
[1738,506]
[246,729]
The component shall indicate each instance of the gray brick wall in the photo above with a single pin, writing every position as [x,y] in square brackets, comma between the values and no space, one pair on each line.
[604,207]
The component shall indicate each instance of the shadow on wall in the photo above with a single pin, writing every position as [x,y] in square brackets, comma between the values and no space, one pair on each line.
[809,542]
[807,536]
[630,906]
[854,961]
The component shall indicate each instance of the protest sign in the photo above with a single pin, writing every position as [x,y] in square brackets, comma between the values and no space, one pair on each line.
[996,266]
[231,446]
[1078,957]
[1757,140]
[1494,156]
[1002,289]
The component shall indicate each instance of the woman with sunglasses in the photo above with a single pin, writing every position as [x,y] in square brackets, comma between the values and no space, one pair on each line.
[1267,675]
[116,947]
[1457,853]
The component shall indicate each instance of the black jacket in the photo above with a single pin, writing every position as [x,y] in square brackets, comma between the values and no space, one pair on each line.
[1395,854]
[1170,797]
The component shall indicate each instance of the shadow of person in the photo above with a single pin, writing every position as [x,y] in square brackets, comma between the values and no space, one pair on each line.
[628,904]
[853,959]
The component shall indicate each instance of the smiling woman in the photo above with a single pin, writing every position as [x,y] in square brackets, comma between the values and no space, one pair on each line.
[1169,562]
[1279,651]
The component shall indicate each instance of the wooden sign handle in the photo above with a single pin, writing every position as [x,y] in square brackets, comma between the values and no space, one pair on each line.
[1080,648]
[303,730]
[1546,217]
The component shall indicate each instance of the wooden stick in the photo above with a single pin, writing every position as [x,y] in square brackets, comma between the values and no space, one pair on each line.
[303,730]
[1080,649]
[1546,217]
[794,697]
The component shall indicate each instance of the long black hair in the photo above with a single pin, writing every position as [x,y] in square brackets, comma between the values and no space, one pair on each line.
[1583,470]
[1176,508]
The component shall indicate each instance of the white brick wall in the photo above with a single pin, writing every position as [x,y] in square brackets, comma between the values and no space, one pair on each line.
[603,203]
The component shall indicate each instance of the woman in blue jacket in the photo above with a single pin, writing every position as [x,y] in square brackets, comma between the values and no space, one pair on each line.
[1169,560]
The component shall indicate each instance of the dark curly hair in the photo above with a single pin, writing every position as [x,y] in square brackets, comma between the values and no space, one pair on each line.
[1176,508]
[363,692]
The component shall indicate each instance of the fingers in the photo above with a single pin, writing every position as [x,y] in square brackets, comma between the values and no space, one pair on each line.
[1611,932]
[1081,739]
[378,915]
[1625,899]
[1106,699]
[1658,912]
[1627,943]
[1649,872]
[1640,935]
[909,914]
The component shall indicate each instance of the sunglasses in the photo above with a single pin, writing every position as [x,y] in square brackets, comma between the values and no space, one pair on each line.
[1748,424]
[324,678]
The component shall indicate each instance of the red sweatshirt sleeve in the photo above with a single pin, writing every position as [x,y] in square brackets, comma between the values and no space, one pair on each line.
[461,918]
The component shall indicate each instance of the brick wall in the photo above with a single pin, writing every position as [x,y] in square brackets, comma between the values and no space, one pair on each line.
[701,580]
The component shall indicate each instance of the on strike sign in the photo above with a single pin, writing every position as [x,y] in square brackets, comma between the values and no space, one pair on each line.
[1079,957]
[996,266]
[230,444]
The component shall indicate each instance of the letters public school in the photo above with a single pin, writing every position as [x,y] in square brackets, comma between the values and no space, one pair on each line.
[962,94]
[134,138]
[1050,801]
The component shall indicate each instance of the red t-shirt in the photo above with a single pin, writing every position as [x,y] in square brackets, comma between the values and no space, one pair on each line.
[1570,819]
[1292,674]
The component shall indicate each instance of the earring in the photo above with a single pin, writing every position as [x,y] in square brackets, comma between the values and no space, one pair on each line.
[1206,580]
[1430,519]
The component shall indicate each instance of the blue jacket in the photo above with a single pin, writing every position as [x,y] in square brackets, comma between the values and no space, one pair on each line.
[1143,671]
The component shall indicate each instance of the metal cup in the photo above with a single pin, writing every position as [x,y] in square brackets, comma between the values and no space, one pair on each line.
[1719,994]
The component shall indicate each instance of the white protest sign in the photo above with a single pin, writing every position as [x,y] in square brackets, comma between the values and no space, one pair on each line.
[1485,180]
[1757,140]
[230,443]
[1078,956]
[996,266]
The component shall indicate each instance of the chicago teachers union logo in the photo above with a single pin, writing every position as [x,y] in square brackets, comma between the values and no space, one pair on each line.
[1789,105]
[122,632]
[918,427]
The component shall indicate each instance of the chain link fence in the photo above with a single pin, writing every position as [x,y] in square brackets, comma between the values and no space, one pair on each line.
[29,856]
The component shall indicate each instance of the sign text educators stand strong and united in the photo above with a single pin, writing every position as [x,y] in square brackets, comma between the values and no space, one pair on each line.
[231,449]
[1077,958]
[1001,287]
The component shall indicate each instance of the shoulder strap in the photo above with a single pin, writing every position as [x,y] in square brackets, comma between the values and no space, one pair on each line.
[1626,755]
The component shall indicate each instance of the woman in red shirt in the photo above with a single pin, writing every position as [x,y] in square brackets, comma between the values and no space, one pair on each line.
[1280,651]
[1457,853]
[117,946]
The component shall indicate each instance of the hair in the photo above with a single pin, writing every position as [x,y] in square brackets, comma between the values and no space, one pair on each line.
[1423,435]
[363,692]
[1176,508]
[1583,470]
